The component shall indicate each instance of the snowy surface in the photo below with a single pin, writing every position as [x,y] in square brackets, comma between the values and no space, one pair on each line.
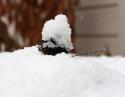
[59,30]
[28,73]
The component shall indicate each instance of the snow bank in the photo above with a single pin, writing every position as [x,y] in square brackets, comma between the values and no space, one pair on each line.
[28,73]
[59,30]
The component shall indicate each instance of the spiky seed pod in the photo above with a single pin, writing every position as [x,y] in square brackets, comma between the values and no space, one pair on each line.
[50,50]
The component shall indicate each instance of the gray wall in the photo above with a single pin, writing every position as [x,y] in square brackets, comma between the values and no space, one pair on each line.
[101,24]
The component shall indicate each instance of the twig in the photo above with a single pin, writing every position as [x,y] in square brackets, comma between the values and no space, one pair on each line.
[97,52]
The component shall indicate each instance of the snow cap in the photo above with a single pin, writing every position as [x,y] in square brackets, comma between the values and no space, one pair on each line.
[59,30]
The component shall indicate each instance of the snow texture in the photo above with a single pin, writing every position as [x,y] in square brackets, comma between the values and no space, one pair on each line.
[28,73]
[59,30]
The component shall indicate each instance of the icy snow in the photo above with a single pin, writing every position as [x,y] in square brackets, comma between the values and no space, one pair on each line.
[28,73]
[59,30]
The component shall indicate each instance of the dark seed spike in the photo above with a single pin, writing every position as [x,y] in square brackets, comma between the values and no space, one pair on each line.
[53,41]
[43,41]
[49,50]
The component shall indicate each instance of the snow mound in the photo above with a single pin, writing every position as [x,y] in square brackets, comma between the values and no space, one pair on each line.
[59,30]
[27,73]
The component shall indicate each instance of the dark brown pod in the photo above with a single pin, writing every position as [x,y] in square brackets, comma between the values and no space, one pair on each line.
[50,50]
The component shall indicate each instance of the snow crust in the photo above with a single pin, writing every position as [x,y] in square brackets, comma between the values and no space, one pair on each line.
[59,30]
[28,73]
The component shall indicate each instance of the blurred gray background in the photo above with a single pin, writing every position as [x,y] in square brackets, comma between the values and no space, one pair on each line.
[101,24]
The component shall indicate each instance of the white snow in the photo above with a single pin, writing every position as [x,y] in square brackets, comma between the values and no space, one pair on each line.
[59,30]
[28,73]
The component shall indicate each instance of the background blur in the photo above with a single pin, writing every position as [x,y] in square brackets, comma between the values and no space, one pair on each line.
[96,24]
